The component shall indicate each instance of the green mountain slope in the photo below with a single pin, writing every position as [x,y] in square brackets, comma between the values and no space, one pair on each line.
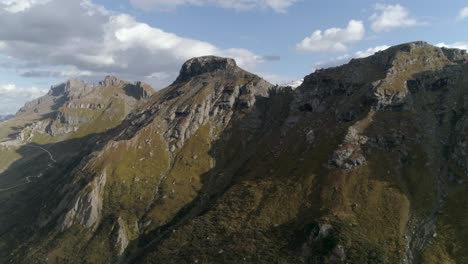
[46,137]
[363,163]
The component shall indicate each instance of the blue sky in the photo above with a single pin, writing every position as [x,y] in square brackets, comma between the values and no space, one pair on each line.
[44,42]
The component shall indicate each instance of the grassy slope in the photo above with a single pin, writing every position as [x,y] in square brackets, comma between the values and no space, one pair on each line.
[370,206]
[277,192]
[450,245]
[69,246]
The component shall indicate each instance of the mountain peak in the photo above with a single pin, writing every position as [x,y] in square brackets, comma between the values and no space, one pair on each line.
[413,45]
[452,54]
[133,175]
[75,82]
[68,86]
[200,65]
[110,80]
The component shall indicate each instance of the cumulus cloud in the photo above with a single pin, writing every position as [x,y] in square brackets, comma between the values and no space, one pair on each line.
[86,39]
[388,17]
[52,73]
[61,39]
[333,39]
[463,14]
[456,45]
[279,6]
[13,97]
[370,51]
[15,6]
[340,60]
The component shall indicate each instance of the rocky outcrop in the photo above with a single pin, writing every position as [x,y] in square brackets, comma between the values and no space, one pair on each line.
[78,105]
[310,136]
[201,65]
[119,237]
[139,90]
[222,167]
[71,105]
[27,134]
[455,54]
[111,81]
[349,154]
[217,89]
[218,108]
[322,236]
[86,208]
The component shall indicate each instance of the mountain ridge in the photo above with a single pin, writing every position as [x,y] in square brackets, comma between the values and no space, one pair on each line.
[5,117]
[222,166]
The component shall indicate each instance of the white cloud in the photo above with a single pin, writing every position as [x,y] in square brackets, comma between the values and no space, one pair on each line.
[56,72]
[279,6]
[456,45]
[388,17]
[293,83]
[463,13]
[13,97]
[15,6]
[79,37]
[333,39]
[340,60]
[62,39]
[370,51]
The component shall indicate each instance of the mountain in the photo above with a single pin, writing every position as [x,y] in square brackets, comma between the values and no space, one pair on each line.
[362,163]
[4,118]
[49,134]
[74,109]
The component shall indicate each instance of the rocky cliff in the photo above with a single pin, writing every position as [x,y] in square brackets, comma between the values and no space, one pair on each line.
[52,133]
[362,163]
[76,108]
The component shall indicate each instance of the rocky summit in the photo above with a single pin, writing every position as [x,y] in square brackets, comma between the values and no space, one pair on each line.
[362,163]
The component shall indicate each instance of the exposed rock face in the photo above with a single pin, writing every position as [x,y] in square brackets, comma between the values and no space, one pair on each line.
[139,91]
[70,106]
[218,107]
[111,81]
[455,54]
[216,90]
[310,136]
[85,105]
[86,208]
[321,236]
[223,167]
[120,237]
[201,65]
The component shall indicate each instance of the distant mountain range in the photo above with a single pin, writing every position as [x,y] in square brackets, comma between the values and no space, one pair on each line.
[5,117]
[362,163]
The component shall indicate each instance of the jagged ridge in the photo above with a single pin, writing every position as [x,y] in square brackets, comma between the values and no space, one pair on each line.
[354,166]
